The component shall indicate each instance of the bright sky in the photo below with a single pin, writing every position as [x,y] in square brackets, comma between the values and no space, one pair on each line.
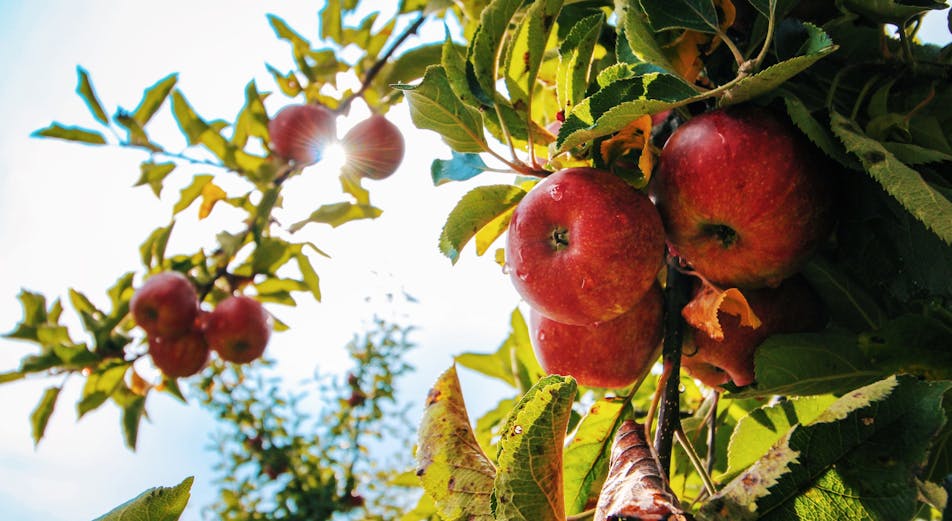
[69,217]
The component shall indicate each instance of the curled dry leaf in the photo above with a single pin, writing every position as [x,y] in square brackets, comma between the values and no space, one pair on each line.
[635,487]
[701,312]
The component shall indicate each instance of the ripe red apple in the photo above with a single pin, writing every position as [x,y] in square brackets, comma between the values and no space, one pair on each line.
[745,198]
[374,148]
[584,246]
[301,132]
[166,305]
[789,308]
[181,356]
[614,353]
[238,329]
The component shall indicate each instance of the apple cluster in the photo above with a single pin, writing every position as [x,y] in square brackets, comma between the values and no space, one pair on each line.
[300,133]
[739,196]
[181,335]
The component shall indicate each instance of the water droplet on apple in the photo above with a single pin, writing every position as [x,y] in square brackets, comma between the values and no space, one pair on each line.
[523,275]
[682,388]
[505,268]
[555,193]
[517,429]
[541,336]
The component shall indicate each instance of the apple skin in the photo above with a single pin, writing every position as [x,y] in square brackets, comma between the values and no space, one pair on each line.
[744,197]
[301,132]
[584,246]
[791,307]
[179,357]
[613,354]
[166,305]
[238,329]
[374,148]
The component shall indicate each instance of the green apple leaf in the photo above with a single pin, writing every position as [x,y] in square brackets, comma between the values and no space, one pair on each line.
[308,274]
[101,384]
[810,363]
[919,198]
[84,88]
[489,424]
[526,48]
[912,154]
[156,504]
[484,47]
[153,98]
[453,469]
[637,36]
[453,60]
[758,431]
[697,15]
[252,121]
[192,192]
[153,248]
[587,452]
[133,410]
[528,484]
[77,134]
[819,134]
[434,106]
[616,104]
[513,362]
[461,168]
[817,46]
[474,211]
[911,344]
[153,174]
[891,11]
[288,83]
[337,214]
[860,456]
[847,301]
[41,414]
[575,60]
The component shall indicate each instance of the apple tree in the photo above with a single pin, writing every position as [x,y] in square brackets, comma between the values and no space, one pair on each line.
[753,196]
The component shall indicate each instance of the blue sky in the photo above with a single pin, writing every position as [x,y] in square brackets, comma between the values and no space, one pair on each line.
[69,217]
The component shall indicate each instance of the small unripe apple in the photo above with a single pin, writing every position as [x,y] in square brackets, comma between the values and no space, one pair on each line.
[301,132]
[374,148]
[789,308]
[179,357]
[614,353]
[584,246]
[238,329]
[166,305]
[744,197]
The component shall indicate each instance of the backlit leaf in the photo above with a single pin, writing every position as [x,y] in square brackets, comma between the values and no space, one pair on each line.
[698,15]
[587,452]
[434,106]
[575,60]
[100,385]
[153,174]
[639,36]
[191,192]
[211,194]
[528,484]
[453,469]
[84,88]
[526,49]
[77,134]
[156,504]
[152,99]
[336,214]
[484,47]
[478,208]
[41,414]
[708,300]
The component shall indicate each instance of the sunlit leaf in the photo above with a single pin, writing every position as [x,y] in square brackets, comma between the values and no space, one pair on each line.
[461,168]
[211,194]
[587,452]
[526,49]
[84,88]
[478,208]
[153,174]
[336,214]
[191,192]
[77,134]
[434,106]
[575,60]
[41,414]
[698,15]
[152,99]
[156,504]
[100,385]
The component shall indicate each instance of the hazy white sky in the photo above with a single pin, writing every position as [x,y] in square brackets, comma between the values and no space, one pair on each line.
[69,217]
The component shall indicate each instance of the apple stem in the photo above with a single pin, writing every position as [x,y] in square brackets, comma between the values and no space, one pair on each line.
[695,460]
[712,432]
[677,294]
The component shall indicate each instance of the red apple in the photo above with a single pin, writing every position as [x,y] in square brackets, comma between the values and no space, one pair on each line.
[374,148]
[614,353]
[301,132]
[584,246]
[166,305]
[238,329]
[745,198]
[179,357]
[789,308]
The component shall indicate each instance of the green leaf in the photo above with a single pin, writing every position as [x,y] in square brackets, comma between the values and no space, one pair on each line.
[526,49]
[153,98]
[434,106]
[912,154]
[452,468]
[528,484]
[153,174]
[84,88]
[331,25]
[156,504]
[475,210]
[252,121]
[698,15]
[488,425]
[269,255]
[153,249]
[587,452]
[41,414]
[308,275]
[575,60]
[818,133]
[337,214]
[453,61]
[816,47]
[11,376]
[891,11]
[288,83]
[917,196]
[77,134]
[848,303]
[100,385]
[811,363]
[638,35]
[192,192]
[859,457]
[132,413]
[34,315]
[188,121]
[513,362]
[758,431]
[911,344]
[461,168]
[484,47]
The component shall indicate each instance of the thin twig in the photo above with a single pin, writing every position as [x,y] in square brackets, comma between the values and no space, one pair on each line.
[695,460]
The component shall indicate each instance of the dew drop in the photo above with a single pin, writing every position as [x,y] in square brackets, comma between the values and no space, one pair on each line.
[517,429]
[555,193]
[682,388]
[523,275]
[505,268]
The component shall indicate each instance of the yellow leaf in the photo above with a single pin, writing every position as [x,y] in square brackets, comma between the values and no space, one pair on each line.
[211,194]
[701,312]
